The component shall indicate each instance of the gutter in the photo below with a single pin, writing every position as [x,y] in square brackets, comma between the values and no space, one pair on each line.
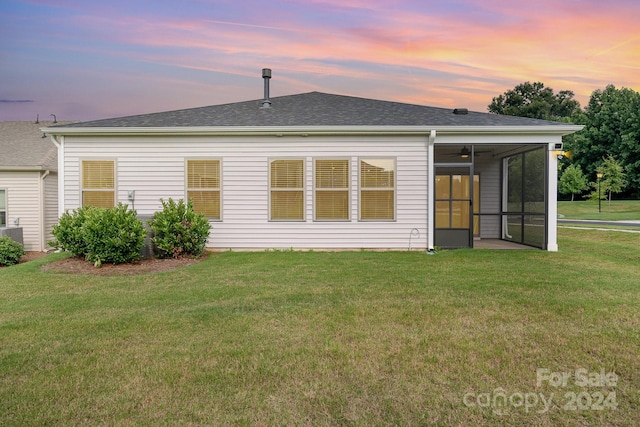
[22,168]
[281,131]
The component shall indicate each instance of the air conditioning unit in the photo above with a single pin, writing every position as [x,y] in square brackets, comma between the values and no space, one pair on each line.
[14,233]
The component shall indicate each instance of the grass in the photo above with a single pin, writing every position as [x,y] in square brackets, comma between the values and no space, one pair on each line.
[628,228]
[618,210]
[321,338]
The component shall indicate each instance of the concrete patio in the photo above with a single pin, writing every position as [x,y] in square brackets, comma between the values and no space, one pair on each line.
[498,244]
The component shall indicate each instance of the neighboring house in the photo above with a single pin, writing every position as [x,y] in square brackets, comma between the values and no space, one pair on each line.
[324,171]
[28,182]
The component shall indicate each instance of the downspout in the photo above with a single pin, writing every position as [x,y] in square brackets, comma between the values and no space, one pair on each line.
[61,176]
[430,193]
[43,217]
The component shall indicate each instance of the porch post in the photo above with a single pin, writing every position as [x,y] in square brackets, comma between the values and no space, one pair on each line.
[430,193]
[552,199]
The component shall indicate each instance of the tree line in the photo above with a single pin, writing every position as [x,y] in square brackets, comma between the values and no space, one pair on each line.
[603,158]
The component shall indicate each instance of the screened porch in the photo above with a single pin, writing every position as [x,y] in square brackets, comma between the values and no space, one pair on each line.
[490,192]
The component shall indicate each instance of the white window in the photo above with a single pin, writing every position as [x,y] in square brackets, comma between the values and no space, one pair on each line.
[203,186]
[377,189]
[3,208]
[98,183]
[286,190]
[331,190]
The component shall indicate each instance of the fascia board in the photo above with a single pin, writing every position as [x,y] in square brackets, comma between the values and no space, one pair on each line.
[313,130]
[22,168]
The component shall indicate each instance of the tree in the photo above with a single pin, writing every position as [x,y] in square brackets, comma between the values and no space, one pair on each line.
[613,179]
[612,128]
[536,101]
[572,181]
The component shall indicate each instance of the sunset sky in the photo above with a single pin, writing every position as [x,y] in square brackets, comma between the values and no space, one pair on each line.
[84,60]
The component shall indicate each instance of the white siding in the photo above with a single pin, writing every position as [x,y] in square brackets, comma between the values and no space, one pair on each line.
[490,190]
[155,169]
[50,205]
[23,201]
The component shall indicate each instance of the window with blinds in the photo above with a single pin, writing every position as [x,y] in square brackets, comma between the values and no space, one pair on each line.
[286,190]
[3,207]
[98,183]
[377,189]
[203,186]
[332,190]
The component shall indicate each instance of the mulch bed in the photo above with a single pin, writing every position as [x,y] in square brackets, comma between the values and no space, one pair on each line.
[81,266]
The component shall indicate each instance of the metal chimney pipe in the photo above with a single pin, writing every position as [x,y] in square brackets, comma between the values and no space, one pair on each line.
[266,76]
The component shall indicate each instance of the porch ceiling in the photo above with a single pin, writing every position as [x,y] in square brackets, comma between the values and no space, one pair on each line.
[495,151]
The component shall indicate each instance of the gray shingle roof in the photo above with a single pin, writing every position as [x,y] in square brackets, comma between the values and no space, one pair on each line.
[314,109]
[23,147]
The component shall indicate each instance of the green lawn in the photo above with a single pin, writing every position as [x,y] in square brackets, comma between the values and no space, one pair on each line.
[322,338]
[618,210]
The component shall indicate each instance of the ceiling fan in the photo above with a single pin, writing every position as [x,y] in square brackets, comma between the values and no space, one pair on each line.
[465,153]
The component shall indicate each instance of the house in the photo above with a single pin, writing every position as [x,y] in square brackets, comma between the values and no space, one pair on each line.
[28,182]
[324,171]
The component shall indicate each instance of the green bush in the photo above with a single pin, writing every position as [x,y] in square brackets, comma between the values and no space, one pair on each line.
[113,235]
[69,233]
[10,251]
[178,230]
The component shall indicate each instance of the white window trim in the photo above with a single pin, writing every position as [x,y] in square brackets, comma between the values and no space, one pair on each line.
[115,178]
[348,190]
[186,186]
[6,207]
[395,191]
[304,188]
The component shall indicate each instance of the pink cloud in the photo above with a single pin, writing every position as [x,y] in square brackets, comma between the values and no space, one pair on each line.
[401,50]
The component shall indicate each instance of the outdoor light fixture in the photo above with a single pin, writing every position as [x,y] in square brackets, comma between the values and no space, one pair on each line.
[567,154]
[464,153]
[599,176]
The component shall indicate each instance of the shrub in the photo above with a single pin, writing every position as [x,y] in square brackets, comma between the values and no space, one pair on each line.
[113,235]
[10,251]
[69,233]
[178,230]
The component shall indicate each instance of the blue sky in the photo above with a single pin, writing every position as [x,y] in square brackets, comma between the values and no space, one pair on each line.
[87,60]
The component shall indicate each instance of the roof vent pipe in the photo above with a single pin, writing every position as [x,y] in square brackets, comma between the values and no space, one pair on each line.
[266,76]
[460,111]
